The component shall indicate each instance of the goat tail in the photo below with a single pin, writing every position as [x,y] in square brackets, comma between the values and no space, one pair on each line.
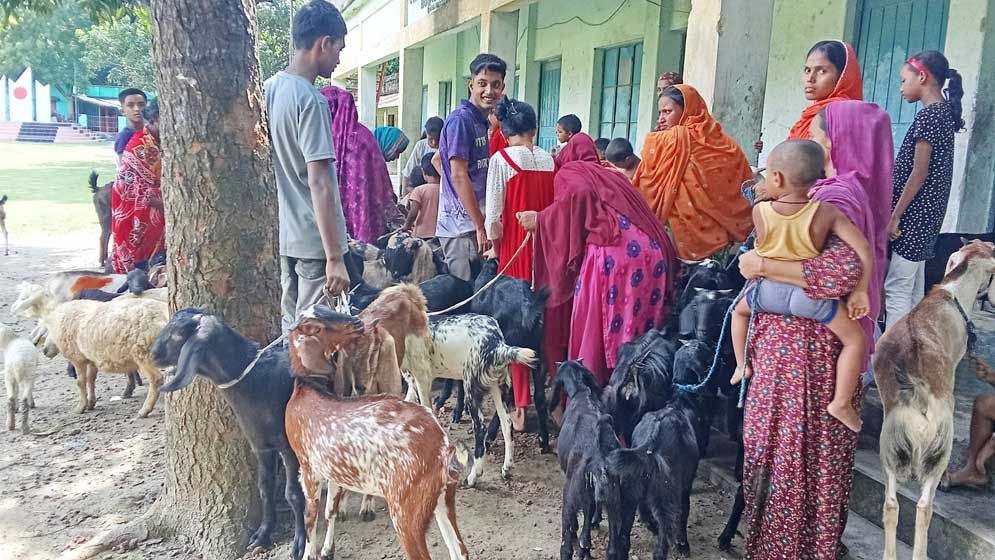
[916,442]
[93,182]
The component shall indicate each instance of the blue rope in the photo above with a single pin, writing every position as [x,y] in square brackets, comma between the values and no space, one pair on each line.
[718,349]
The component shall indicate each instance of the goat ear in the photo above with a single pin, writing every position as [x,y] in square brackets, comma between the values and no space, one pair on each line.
[188,364]
[955,259]
[965,241]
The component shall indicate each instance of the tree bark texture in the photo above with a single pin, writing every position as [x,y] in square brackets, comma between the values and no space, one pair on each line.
[221,213]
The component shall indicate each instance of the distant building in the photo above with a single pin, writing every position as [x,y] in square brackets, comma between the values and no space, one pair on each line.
[24,99]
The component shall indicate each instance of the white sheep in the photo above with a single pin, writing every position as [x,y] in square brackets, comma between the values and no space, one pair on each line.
[113,337]
[20,363]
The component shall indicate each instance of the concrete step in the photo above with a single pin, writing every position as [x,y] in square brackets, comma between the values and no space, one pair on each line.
[864,539]
[963,523]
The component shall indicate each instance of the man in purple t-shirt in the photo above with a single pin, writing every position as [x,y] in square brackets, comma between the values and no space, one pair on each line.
[133,102]
[463,156]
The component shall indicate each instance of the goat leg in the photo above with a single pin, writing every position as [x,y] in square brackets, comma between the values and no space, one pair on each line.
[725,539]
[585,530]
[25,427]
[447,391]
[129,389]
[509,443]
[333,500]
[568,525]
[11,413]
[477,418]
[295,497]
[460,402]
[680,530]
[539,399]
[266,484]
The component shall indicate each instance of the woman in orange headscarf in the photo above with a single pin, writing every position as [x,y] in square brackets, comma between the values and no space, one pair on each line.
[690,175]
[831,74]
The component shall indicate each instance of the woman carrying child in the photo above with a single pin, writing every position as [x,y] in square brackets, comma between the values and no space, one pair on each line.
[519,179]
[923,174]
[798,464]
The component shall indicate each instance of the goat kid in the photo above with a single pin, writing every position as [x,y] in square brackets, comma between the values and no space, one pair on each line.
[641,382]
[376,445]
[914,367]
[471,348]
[196,343]
[588,487]
[20,367]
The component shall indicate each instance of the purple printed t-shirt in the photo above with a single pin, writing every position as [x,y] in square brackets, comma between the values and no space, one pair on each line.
[464,136]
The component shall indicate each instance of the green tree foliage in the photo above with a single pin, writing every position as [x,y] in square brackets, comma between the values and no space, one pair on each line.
[46,41]
[119,50]
[274,36]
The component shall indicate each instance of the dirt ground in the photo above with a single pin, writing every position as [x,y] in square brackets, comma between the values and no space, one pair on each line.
[105,467]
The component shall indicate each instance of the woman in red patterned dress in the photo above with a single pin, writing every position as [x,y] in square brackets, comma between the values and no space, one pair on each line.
[138,222]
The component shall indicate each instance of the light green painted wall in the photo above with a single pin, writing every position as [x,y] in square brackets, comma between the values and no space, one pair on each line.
[797,25]
[440,66]
[575,44]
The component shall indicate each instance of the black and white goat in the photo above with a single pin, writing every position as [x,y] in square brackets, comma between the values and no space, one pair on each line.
[197,343]
[584,445]
[472,349]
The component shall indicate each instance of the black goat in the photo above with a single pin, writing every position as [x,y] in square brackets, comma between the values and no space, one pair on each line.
[519,312]
[642,380]
[198,343]
[102,205]
[588,487]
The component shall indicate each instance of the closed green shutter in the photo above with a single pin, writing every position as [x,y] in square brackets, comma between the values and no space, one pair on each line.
[620,81]
[890,32]
[549,103]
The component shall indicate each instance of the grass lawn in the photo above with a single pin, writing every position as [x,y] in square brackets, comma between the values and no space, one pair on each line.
[47,185]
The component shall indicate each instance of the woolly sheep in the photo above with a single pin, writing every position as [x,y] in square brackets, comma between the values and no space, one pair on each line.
[20,365]
[114,336]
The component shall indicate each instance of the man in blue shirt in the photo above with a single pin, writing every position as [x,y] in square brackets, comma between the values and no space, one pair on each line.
[463,157]
[133,102]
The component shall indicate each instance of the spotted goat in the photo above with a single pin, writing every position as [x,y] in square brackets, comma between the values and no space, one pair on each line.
[372,445]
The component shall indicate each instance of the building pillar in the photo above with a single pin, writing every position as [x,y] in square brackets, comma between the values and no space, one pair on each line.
[728,43]
[971,50]
[528,66]
[499,36]
[409,96]
[662,48]
[367,96]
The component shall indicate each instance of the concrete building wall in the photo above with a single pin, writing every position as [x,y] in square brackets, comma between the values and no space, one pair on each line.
[796,26]
[440,66]
[576,44]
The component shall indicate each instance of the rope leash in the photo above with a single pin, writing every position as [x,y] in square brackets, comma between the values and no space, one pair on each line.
[528,237]
[325,296]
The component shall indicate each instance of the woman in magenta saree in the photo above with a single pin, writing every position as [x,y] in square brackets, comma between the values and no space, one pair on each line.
[138,223]
[599,246]
[798,467]
[364,183]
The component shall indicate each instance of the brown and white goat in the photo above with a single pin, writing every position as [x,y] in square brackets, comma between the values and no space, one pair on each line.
[373,445]
[3,225]
[914,366]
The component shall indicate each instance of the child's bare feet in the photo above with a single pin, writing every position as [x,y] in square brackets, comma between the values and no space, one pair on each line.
[741,373]
[844,412]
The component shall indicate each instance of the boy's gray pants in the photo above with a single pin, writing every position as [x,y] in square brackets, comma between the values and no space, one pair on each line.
[302,281]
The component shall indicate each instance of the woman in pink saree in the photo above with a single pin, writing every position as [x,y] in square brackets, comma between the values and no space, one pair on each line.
[798,467]
[600,246]
[364,183]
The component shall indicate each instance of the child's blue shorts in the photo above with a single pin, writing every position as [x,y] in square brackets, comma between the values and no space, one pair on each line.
[785,299]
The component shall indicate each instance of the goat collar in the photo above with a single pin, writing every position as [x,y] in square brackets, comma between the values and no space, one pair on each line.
[972,331]
[252,364]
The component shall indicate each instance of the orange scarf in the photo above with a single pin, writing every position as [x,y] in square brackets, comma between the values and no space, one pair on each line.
[690,175]
[849,87]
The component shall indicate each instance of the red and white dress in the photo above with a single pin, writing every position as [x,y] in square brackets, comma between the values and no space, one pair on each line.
[518,179]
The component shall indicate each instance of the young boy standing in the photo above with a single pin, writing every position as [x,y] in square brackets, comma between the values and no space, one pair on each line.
[463,156]
[312,226]
[133,102]
[423,203]
[427,145]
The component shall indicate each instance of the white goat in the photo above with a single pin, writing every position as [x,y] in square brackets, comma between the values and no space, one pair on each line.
[114,337]
[471,348]
[914,366]
[20,363]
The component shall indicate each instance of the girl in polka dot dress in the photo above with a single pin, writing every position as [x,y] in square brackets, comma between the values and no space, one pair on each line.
[923,173]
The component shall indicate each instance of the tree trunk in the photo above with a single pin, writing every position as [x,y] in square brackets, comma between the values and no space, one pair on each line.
[221,216]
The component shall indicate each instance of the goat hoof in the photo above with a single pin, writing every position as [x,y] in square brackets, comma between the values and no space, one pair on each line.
[144,413]
[506,473]
[367,516]
[80,409]
[725,544]
[682,550]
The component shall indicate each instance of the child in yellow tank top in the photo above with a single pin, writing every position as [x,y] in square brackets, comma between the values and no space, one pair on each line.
[791,227]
